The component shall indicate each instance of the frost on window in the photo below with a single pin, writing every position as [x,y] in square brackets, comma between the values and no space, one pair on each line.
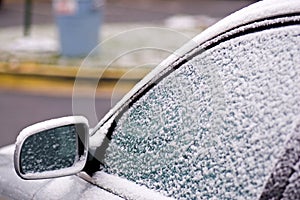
[284,182]
[215,127]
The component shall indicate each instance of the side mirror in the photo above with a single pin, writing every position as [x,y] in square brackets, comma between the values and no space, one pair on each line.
[52,148]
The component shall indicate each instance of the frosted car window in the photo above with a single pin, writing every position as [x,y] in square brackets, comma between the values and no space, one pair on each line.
[215,127]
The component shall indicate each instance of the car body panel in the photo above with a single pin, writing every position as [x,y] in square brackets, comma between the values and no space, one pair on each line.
[70,187]
[11,185]
[102,186]
[255,16]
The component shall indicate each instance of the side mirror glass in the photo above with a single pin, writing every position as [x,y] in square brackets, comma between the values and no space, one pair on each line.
[52,148]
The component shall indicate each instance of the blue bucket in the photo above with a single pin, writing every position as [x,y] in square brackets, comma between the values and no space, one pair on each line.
[79,23]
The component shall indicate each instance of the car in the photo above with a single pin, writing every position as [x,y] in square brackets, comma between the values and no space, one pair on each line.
[218,119]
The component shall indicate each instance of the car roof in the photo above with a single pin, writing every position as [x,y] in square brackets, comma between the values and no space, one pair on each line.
[267,9]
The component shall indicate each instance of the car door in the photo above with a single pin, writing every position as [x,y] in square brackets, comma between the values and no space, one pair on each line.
[70,187]
[213,123]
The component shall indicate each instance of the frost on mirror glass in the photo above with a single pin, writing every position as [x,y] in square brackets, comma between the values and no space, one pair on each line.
[48,150]
[215,127]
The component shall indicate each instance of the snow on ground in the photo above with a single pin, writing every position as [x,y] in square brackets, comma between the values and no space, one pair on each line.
[189,22]
[42,39]
[35,44]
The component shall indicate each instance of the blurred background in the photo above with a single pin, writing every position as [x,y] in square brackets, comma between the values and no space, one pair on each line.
[41,51]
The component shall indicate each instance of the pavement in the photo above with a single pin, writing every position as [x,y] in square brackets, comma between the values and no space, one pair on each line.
[135,36]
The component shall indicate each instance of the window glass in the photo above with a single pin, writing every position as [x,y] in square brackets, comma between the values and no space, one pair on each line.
[214,127]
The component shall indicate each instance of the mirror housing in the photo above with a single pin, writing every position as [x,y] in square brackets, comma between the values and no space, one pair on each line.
[52,148]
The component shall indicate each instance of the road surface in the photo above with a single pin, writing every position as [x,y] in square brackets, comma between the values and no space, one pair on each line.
[19,110]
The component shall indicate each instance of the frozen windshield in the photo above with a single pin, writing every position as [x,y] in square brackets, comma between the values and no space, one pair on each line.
[215,127]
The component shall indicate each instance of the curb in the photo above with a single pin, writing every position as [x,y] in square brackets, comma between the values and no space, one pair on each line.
[59,80]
